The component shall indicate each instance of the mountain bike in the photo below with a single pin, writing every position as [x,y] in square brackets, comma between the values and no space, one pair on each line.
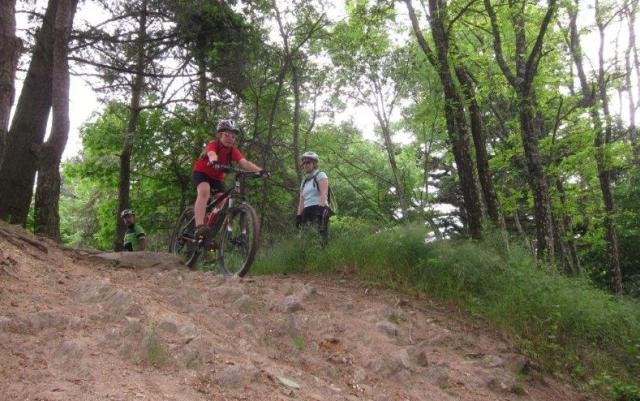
[235,230]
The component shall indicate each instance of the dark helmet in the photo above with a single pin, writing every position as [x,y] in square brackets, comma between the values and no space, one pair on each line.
[126,212]
[227,125]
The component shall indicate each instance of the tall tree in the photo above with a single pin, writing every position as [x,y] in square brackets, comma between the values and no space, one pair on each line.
[454,110]
[137,86]
[630,9]
[10,48]
[47,217]
[526,67]
[480,145]
[28,127]
[602,140]
[594,97]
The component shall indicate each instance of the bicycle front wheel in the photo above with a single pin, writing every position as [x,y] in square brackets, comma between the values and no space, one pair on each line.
[239,240]
[183,242]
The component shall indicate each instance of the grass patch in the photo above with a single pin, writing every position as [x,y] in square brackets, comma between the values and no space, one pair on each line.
[299,343]
[566,325]
[155,352]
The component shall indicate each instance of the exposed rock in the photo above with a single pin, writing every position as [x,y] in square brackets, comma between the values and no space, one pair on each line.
[69,357]
[225,293]
[388,328]
[243,304]
[141,260]
[288,382]
[94,290]
[236,376]
[390,365]
[289,304]
[418,355]
[168,325]
[188,332]
[122,303]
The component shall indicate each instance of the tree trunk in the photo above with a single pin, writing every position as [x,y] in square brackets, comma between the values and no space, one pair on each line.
[28,127]
[203,134]
[572,262]
[296,121]
[630,12]
[47,217]
[454,114]
[482,158]
[523,234]
[537,182]
[127,147]
[10,49]
[456,121]
[526,67]
[391,156]
[601,140]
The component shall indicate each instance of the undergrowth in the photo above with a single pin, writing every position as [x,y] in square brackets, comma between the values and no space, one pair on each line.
[566,325]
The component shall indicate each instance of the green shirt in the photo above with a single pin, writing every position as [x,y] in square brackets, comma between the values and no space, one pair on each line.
[132,237]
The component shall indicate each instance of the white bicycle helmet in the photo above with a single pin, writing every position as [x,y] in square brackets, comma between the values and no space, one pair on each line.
[227,125]
[310,155]
[126,212]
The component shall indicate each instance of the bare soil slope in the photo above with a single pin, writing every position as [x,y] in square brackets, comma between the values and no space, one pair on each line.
[76,325]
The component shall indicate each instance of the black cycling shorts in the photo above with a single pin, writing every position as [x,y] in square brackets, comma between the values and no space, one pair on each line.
[198,177]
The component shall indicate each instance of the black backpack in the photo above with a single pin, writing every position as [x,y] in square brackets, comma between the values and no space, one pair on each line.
[331,201]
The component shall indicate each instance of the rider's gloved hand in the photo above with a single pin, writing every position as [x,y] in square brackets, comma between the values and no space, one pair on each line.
[298,220]
[264,173]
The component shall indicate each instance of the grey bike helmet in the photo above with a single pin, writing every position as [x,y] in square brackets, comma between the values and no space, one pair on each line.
[310,155]
[127,212]
[227,125]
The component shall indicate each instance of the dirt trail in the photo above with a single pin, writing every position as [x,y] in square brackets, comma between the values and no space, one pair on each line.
[77,326]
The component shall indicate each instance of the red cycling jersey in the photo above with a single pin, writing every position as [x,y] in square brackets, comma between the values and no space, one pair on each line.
[225,156]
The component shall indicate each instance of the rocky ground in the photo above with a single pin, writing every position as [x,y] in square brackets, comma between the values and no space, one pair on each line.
[76,325]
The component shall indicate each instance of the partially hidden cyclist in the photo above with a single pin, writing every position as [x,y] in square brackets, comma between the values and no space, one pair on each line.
[135,239]
[206,174]
[313,207]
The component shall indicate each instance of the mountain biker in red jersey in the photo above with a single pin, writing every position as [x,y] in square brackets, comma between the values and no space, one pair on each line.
[206,174]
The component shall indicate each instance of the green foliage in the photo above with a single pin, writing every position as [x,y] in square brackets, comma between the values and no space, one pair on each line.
[626,392]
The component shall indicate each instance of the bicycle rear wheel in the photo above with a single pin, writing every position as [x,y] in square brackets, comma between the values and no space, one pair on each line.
[239,240]
[183,242]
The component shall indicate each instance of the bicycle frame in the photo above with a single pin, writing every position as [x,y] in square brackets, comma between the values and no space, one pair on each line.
[224,211]
[225,200]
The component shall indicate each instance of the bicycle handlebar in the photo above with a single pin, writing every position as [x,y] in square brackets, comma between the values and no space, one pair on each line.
[238,171]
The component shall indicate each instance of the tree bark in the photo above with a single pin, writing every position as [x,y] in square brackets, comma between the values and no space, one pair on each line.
[630,11]
[526,68]
[295,83]
[454,112]
[28,127]
[134,110]
[480,144]
[47,216]
[203,116]
[10,49]
[601,140]
[391,156]
[456,121]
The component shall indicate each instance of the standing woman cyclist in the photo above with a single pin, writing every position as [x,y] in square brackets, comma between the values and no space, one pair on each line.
[207,175]
[313,202]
